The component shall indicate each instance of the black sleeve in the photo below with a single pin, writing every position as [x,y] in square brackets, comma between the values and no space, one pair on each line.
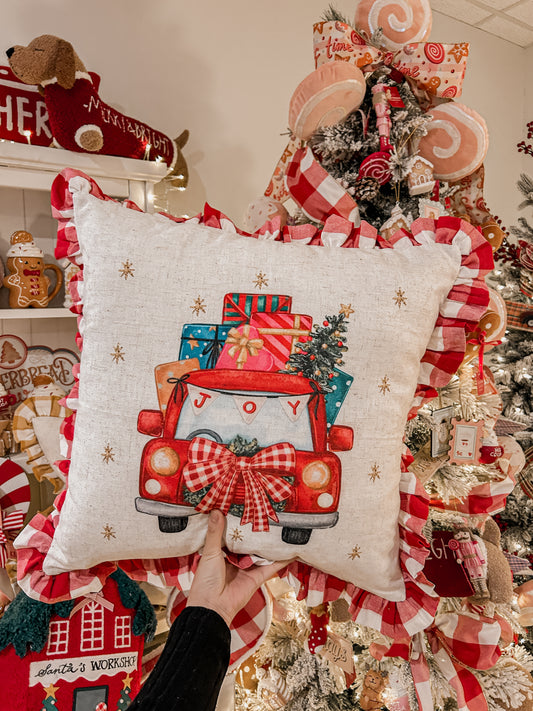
[190,672]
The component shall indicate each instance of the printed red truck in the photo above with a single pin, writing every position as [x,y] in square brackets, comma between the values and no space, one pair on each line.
[272,408]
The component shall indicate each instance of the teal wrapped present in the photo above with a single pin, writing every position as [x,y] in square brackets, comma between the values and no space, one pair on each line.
[340,384]
[203,341]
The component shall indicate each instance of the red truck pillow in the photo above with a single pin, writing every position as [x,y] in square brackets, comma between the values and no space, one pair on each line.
[265,377]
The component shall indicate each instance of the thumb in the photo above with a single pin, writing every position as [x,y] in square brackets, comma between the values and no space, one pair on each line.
[215,531]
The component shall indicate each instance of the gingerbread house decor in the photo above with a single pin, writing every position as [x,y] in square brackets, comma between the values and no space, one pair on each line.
[397,221]
[420,179]
[78,655]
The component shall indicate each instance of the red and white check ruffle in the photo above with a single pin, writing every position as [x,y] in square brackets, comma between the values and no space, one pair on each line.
[463,308]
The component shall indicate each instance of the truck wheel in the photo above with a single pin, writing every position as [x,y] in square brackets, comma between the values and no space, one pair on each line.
[296,536]
[172,524]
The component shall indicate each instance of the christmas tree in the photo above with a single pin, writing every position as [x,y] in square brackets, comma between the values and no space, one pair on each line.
[380,158]
[320,353]
[125,698]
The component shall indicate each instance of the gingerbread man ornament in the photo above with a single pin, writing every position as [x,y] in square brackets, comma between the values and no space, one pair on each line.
[27,283]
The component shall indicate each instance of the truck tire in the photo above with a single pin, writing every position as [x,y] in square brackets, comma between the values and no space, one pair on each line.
[296,536]
[172,524]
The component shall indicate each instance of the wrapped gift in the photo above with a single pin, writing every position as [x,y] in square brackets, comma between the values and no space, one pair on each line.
[340,384]
[244,350]
[281,333]
[166,375]
[203,341]
[238,308]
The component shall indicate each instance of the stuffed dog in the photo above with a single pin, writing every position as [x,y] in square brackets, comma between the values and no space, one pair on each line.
[79,119]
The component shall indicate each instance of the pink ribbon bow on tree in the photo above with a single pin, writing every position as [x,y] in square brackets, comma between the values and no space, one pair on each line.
[10,522]
[213,464]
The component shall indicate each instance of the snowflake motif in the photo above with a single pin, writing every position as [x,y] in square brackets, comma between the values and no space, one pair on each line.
[198,307]
[236,535]
[355,553]
[108,454]
[260,280]
[400,298]
[346,310]
[460,50]
[118,353]
[384,386]
[127,269]
[374,472]
[108,532]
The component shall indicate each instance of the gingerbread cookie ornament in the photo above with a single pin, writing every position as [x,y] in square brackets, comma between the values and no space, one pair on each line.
[27,283]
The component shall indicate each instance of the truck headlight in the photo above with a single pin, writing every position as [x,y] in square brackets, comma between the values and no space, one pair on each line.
[165,461]
[316,475]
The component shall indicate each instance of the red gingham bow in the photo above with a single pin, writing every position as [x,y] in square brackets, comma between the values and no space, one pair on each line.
[480,339]
[213,463]
[10,522]
[460,643]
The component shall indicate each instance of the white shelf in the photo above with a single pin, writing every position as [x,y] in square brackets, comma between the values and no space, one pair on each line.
[29,313]
[36,167]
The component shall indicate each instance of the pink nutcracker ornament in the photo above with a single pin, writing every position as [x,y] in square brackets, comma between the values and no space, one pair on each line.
[471,556]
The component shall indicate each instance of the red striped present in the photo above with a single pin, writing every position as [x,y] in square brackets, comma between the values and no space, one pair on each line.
[238,308]
[281,333]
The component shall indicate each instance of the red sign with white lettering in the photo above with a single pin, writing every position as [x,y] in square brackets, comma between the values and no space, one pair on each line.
[23,114]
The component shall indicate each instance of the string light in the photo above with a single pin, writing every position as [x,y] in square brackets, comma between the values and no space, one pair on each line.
[28,136]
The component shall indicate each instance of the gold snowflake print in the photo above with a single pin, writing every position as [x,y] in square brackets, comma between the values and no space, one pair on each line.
[384,386]
[374,472]
[118,353]
[127,269]
[108,455]
[260,280]
[400,299]
[346,310]
[236,535]
[198,307]
[108,532]
[355,553]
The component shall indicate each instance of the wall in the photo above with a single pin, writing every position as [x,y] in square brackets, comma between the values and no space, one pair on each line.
[227,71]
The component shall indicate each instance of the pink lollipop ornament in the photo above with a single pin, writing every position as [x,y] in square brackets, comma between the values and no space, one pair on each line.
[457,141]
[325,97]
[402,21]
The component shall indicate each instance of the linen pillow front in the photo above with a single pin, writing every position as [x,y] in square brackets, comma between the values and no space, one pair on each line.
[187,398]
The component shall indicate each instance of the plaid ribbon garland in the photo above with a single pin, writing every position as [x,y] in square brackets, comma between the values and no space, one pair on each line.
[10,522]
[519,566]
[213,464]
[316,191]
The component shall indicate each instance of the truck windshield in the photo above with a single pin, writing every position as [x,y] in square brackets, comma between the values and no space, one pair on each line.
[268,417]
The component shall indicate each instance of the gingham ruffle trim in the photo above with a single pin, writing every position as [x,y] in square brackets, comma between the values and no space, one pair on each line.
[464,306]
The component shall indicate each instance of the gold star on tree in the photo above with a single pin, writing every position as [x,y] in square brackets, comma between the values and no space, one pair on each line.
[108,532]
[127,269]
[236,535]
[355,553]
[198,307]
[384,386]
[374,472]
[118,353]
[400,299]
[127,682]
[260,280]
[51,690]
[108,454]
[347,310]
